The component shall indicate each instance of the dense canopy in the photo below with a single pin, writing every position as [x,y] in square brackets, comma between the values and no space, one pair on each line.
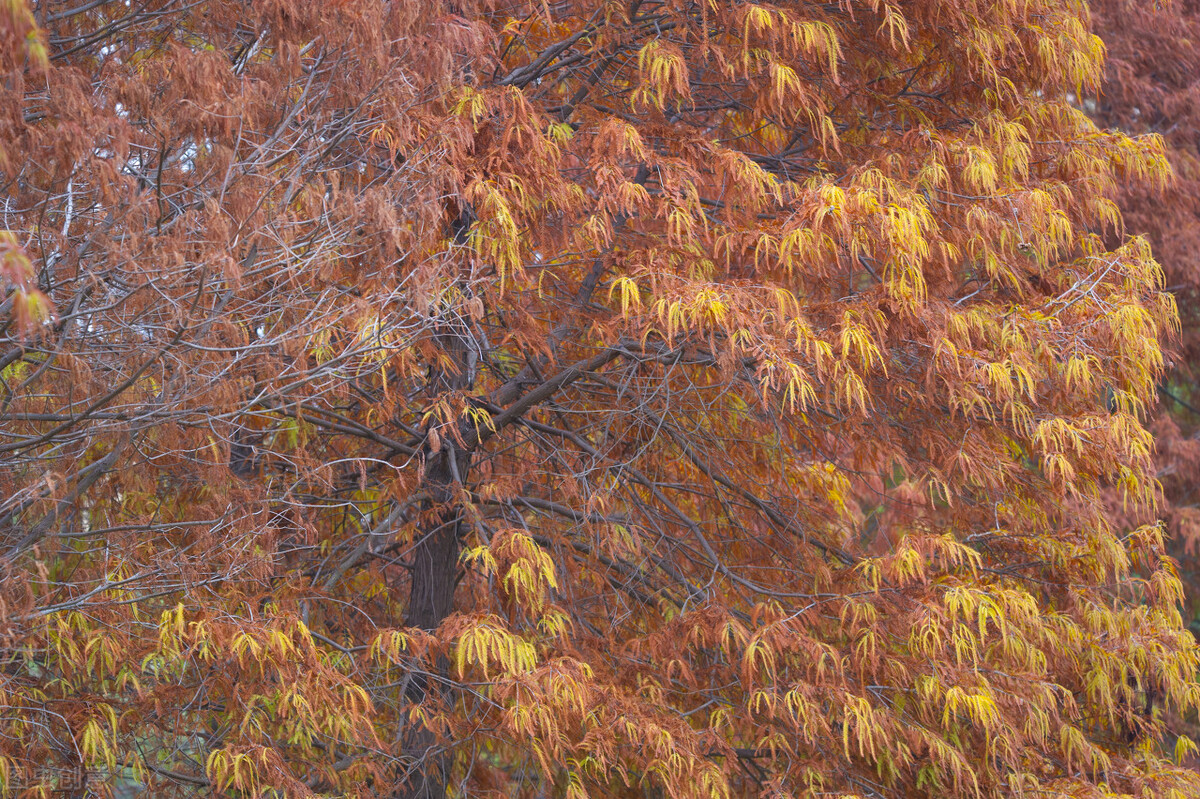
[654,398]
[1152,84]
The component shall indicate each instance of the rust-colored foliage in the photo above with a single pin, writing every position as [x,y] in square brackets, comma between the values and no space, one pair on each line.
[1152,85]
[578,399]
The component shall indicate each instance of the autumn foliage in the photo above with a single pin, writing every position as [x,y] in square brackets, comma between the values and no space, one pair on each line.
[1152,85]
[567,399]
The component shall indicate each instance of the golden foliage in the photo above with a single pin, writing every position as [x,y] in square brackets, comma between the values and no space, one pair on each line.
[578,399]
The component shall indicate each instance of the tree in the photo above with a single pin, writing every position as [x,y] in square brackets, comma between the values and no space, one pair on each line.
[1151,85]
[578,399]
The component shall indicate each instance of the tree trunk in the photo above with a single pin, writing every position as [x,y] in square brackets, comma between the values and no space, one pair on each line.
[434,563]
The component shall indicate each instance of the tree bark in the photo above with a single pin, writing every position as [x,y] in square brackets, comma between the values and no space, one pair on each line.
[434,563]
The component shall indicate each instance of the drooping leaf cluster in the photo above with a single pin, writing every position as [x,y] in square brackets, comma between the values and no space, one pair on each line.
[578,399]
[1152,85]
